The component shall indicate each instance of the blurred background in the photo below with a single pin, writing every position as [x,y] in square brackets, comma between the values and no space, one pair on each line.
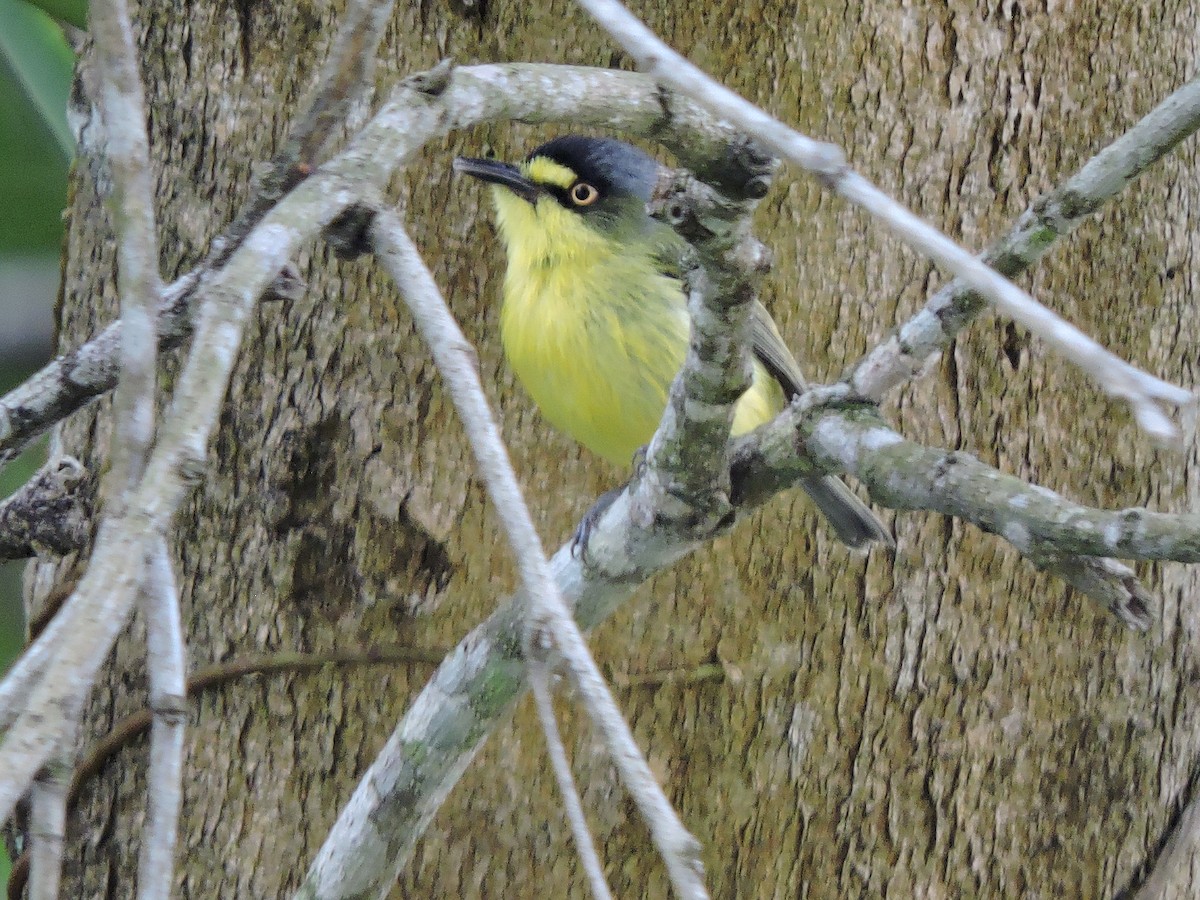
[35,155]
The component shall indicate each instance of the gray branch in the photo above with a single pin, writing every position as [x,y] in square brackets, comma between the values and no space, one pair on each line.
[1049,218]
[50,514]
[905,475]
[127,151]
[166,667]
[839,433]
[688,454]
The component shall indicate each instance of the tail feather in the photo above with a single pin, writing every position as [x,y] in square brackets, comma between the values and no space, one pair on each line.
[855,524]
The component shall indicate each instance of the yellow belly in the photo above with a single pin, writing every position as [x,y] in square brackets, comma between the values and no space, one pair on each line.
[599,362]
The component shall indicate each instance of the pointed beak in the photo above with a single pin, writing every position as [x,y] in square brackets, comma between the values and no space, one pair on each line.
[500,173]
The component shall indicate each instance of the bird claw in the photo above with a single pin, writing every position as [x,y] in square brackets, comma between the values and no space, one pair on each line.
[583,532]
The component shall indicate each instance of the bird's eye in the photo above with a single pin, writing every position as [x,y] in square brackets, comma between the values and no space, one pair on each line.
[583,194]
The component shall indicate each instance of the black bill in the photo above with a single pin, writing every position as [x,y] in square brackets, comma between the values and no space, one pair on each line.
[501,173]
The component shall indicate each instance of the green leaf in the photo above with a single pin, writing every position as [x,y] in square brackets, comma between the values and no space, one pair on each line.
[73,12]
[34,54]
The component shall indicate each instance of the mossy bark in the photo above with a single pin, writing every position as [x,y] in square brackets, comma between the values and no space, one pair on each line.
[946,722]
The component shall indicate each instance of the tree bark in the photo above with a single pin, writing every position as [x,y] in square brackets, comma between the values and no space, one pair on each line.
[945,722]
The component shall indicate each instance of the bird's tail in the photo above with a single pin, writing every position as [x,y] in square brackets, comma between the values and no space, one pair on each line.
[855,524]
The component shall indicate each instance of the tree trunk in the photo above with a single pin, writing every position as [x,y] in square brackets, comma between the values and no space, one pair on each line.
[945,722]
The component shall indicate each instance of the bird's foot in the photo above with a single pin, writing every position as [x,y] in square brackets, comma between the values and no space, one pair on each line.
[587,524]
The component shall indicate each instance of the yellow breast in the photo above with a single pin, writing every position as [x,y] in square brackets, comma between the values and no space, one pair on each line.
[595,334]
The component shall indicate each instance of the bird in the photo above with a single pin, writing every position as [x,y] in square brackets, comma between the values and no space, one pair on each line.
[594,319]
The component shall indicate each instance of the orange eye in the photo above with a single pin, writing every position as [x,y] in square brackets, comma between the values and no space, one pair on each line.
[583,194]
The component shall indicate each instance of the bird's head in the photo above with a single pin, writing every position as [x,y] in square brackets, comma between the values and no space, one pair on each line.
[571,196]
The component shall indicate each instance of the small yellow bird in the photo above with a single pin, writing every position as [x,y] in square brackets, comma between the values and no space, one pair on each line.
[595,321]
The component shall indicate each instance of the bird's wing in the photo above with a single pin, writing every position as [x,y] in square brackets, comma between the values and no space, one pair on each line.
[668,248]
[773,353]
[852,519]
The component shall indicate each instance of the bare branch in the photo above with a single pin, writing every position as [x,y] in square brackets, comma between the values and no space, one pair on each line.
[1052,216]
[841,433]
[348,74]
[79,376]
[48,827]
[473,689]
[455,359]
[539,682]
[166,664]
[688,455]
[905,475]
[1147,395]
[420,109]
[128,151]
[50,513]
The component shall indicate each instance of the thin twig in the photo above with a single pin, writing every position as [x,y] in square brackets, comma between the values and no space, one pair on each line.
[228,671]
[48,827]
[126,730]
[539,683]
[123,111]
[1050,217]
[456,361]
[1148,396]
[101,603]
[166,665]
